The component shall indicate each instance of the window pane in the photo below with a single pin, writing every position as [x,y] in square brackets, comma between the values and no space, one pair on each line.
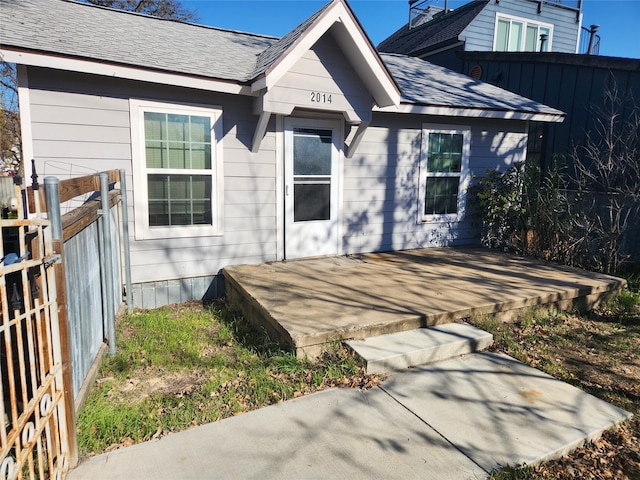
[311,152]
[441,196]
[200,156]
[545,47]
[154,126]
[444,153]
[156,154]
[178,126]
[502,35]
[178,155]
[201,129]
[179,200]
[311,202]
[531,40]
[515,36]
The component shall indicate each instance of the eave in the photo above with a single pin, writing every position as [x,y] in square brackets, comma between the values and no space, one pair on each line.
[114,70]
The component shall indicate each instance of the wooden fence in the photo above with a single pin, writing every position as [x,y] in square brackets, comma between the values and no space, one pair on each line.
[96,263]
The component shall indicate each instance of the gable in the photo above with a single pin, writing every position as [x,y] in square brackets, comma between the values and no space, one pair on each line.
[351,40]
[322,79]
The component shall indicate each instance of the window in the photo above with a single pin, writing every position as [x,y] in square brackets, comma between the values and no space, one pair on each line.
[444,173]
[513,34]
[177,167]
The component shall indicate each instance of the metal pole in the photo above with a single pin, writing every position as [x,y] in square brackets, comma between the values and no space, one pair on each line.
[52,194]
[108,262]
[592,31]
[125,240]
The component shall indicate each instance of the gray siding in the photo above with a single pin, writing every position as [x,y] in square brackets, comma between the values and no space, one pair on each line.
[81,125]
[382,197]
[479,33]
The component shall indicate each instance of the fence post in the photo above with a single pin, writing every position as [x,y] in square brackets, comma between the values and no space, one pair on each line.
[125,235]
[108,262]
[52,195]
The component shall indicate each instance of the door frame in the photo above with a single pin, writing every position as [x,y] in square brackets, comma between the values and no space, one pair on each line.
[319,121]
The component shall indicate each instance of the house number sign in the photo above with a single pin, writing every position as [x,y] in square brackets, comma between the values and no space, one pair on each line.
[320,97]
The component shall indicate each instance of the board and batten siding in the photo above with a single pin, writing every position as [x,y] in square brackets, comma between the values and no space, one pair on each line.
[81,125]
[478,35]
[382,197]
[322,79]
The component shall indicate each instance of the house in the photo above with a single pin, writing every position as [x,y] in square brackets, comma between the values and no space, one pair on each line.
[244,148]
[488,26]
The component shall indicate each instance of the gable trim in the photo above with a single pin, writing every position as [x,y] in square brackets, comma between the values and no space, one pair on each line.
[356,46]
[41,59]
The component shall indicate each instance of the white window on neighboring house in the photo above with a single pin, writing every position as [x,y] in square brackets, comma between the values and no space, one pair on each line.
[444,173]
[177,170]
[514,34]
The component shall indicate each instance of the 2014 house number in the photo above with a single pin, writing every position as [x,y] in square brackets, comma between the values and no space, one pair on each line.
[319,97]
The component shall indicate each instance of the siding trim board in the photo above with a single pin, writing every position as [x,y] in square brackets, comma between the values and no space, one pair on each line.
[470,113]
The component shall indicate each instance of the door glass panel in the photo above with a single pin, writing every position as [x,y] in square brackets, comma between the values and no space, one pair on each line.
[312,151]
[311,202]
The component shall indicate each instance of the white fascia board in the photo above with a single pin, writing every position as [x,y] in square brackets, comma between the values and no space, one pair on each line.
[289,58]
[120,71]
[369,66]
[472,113]
[384,89]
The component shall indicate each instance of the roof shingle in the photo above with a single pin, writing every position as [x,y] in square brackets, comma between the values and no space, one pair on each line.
[443,28]
[424,83]
[85,31]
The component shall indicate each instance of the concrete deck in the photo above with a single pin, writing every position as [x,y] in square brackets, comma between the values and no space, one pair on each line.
[306,303]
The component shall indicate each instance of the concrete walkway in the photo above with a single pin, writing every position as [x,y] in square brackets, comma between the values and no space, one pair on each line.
[455,419]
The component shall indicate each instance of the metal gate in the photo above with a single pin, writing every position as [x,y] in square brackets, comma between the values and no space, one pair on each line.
[36,438]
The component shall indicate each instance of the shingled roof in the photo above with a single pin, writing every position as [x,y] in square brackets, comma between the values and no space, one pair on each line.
[84,31]
[423,83]
[65,28]
[442,29]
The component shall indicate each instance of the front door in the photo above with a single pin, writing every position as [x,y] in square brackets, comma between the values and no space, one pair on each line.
[311,187]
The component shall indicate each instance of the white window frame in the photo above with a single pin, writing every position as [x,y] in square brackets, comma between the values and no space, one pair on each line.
[143,231]
[525,23]
[464,175]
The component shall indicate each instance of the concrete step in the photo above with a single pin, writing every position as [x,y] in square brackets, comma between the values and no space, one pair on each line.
[397,351]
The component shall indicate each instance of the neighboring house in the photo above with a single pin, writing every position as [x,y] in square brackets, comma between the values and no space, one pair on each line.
[488,26]
[243,148]
[499,42]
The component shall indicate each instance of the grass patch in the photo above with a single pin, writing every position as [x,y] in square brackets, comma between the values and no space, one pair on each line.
[186,365]
[598,352]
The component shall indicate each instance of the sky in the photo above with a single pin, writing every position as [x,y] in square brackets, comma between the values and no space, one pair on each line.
[619,20]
